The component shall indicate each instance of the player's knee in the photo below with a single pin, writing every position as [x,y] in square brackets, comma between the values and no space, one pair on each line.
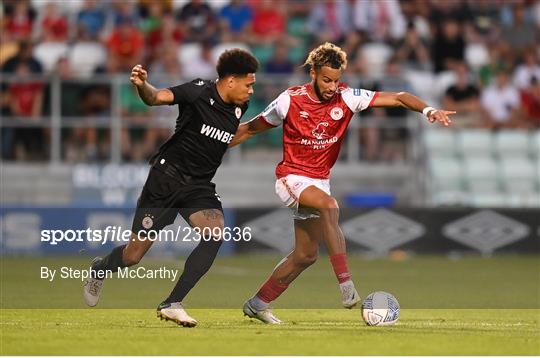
[329,210]
[305,259]
[330,203]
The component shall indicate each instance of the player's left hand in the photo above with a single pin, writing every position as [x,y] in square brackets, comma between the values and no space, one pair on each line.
[138,75]
[440,115]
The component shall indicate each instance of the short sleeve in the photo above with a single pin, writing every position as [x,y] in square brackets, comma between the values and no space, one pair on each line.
[276,111]
[358,99]
[187,92]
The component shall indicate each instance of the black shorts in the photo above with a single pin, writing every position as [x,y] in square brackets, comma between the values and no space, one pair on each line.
[163,197]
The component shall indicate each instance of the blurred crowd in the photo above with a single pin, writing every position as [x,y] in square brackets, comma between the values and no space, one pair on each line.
[478,57]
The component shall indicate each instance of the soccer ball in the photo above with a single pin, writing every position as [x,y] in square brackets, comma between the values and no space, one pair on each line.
[380,309]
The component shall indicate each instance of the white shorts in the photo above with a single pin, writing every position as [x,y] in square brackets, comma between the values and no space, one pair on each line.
[291,186]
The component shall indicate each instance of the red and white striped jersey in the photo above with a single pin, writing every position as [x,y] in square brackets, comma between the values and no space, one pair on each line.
[313,130]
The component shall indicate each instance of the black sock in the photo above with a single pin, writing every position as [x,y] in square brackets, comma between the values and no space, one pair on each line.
[112,261]
[197,264]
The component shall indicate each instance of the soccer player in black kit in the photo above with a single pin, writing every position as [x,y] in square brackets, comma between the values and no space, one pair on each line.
[179,180]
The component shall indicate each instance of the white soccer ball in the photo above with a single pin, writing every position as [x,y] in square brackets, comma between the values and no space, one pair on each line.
[380,309]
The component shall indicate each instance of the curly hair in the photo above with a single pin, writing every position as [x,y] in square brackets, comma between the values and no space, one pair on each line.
[236,62]
[329,55]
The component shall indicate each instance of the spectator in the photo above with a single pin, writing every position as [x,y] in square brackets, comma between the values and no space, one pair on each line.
[198,21]
[269,23]
[166,68]
[413,51]
[417,13]
[19,21]
[16,141]
[144,7]
[121,11]
[530,103]
[496,61]
[83,100]
[464,98]
[203,66]
[330,20]
[236,18]
[168,34]
[135,116]
[448,46]
[167,62]
[26,102]
[528,70]
[52,26]
[358,64]
[279,63]
[521,35]
[91,18]
[24,55]
[500,102]
[394,132]
[26,98]
[353,41]
[483,22]
[380,20]
[450,9]
[126,45]
[152,20]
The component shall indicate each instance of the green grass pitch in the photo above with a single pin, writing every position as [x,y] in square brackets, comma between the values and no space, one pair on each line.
[470,306]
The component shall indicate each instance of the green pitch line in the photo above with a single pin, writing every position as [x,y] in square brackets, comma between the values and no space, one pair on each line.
[306,332]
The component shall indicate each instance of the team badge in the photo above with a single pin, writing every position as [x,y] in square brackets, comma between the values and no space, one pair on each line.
[147,222]
[238,112]
[336,113]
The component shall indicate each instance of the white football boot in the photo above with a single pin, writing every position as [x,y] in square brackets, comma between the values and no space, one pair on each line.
[92,288]
[175,312]
[265,316]
[349,295]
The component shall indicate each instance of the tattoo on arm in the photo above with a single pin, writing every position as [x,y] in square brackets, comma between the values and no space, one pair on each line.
[148,93]
[212,214]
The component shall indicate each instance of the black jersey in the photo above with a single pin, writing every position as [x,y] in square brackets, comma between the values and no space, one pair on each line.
[204,128]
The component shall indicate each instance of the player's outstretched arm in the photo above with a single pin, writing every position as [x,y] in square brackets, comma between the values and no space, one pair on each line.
[410,101]
[148,93]
[248,129]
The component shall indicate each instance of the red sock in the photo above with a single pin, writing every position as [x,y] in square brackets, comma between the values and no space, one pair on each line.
[271,290]
[339,264]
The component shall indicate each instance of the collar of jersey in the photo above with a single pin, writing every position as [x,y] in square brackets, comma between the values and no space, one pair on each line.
[215,93]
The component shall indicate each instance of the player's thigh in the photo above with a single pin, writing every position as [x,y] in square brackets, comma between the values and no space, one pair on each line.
[210,222]
[156,208]
[313,197]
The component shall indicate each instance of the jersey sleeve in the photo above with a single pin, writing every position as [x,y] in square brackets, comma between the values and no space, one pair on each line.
[276,111]
[187,92]
[358,99]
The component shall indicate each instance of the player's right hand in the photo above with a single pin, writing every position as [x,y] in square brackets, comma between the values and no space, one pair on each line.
[138,75]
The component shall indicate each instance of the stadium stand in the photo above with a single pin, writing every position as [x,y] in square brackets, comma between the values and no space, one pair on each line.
[80,110]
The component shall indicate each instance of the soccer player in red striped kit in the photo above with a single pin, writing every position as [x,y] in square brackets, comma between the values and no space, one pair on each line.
[315,117]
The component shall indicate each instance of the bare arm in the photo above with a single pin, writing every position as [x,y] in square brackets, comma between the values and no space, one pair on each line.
[148,93]
[409,101]
[248,129]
